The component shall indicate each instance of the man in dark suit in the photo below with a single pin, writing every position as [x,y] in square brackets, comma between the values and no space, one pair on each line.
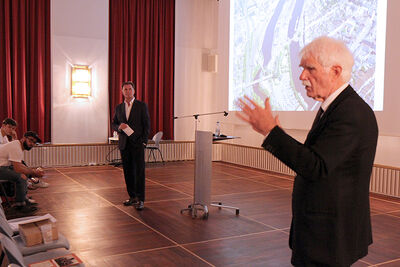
[132,122]
[331,224]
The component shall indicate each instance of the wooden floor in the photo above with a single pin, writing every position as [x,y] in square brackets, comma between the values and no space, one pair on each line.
[87,201]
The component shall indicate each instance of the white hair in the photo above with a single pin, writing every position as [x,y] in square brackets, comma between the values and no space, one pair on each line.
[330,52]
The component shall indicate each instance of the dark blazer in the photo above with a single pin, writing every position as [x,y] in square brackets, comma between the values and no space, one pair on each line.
[331,221]
[139,121]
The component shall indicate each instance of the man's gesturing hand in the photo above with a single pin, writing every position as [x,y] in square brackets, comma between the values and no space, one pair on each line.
[261,119]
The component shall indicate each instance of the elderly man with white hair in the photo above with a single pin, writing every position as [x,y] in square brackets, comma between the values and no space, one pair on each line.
[331,224]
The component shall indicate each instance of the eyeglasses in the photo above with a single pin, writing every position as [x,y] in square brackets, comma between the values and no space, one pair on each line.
[32,140]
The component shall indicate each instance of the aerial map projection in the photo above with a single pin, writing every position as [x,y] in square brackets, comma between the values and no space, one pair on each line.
[266,37]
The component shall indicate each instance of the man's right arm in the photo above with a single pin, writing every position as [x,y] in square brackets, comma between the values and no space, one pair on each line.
[21,168]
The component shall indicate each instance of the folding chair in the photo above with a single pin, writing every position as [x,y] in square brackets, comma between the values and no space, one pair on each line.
[15,256]
[5,228]
[155,146]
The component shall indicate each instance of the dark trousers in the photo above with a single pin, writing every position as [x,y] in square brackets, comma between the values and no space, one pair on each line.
[299,260]
[7,173]
[134,170]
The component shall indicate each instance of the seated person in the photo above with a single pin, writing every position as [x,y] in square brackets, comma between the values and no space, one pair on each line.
[12,169]
[7,131]
[8,134]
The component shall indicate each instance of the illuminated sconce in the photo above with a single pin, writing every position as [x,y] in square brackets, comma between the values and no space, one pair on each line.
[81,78]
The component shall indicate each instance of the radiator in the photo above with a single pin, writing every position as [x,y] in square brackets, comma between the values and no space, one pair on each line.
[99,154]
[384,180]
[253,157]
[71,155]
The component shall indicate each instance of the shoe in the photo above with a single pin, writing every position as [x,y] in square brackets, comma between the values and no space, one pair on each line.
[31,186]
[26,209]
[31,202]
[140,205]
[34,180]
[42,184]
[130,202]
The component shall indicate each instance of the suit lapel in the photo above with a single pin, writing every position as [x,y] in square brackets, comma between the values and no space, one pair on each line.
[316,128]
[123,111]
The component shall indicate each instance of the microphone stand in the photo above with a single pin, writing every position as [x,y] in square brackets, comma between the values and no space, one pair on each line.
[194,207]
[196,116]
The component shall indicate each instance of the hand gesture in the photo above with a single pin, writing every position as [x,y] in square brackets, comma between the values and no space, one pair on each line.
[261,119]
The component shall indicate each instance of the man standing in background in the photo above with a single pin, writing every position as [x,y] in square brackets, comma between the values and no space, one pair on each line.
[331,223]
[132,122]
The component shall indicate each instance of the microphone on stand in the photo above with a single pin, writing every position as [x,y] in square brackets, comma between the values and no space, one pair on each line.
[197,115]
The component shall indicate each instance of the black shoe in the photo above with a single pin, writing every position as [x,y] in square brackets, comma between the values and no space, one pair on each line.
[28,203]
[130,202]
[26,209]
[140,205]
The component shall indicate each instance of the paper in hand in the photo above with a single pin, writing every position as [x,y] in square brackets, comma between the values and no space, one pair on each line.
[128,130]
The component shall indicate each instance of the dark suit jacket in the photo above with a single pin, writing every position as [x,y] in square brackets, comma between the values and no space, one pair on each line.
[139,121]
[330,203]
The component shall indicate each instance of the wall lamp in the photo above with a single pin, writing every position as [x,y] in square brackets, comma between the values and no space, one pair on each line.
[81,81]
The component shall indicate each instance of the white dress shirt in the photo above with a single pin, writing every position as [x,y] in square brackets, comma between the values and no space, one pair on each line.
[3,139]
[332,97]
[128,107]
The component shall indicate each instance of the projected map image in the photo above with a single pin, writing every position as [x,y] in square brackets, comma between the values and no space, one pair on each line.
[267,36]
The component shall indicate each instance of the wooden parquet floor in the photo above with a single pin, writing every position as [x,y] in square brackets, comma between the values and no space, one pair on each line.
[87,202]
